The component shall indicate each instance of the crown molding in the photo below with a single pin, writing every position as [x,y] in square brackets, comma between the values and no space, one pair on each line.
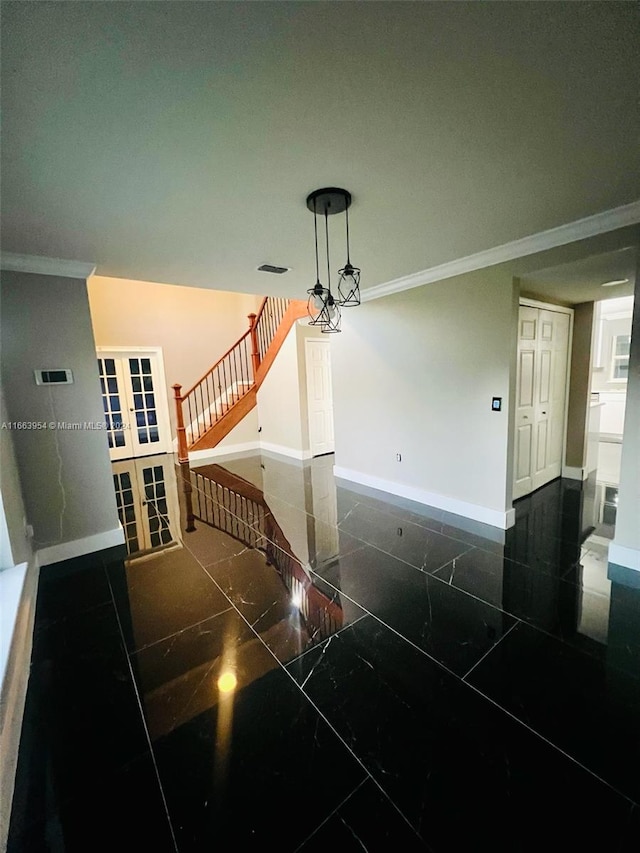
[46,266]
[581,229]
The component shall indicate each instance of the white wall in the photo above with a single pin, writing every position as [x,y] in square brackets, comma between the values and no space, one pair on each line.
[613,318]
[625,549]
[414,374]
[194,326]
[282,413]
[65,474]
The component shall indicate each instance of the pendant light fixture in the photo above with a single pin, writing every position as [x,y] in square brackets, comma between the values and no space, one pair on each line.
[323,307]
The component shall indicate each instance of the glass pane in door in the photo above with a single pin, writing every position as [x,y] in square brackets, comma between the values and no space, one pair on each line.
[156,503]
[127,510]
[111,402]
[144,401]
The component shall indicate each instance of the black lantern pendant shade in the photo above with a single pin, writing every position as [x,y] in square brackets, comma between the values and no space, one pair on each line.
[323,307]
[349,283]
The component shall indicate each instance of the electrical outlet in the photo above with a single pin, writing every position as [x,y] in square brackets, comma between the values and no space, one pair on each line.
[28,530]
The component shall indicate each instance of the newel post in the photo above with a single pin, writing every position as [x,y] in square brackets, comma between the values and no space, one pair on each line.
[255,350]
[183,455]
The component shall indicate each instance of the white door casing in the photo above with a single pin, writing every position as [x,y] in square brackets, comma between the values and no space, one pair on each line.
[543,349]
[135,401]
[319,396]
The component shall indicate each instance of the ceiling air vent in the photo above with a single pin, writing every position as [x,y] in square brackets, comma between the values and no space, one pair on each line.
[271,268]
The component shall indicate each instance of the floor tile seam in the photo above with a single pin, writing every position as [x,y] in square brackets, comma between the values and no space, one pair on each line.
[319,645]
[255,547]
[394,517]
[211,499]
[419,527]
[488,652]
[393,631]
[239,519]
[268,509]
[523,621]
[422,571]
[395,514]
[368,774]
[573,648]
[530,566]
[144,722]
[255,527]
[434,574]
[550,743]
[283,667]
[457,589]
[331,814]
[134,652]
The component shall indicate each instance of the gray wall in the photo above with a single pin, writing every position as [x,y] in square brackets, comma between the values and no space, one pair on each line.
[414,373]
[579,391]
[65,474]
[11,496]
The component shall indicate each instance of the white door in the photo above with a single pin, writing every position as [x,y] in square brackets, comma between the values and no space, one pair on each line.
[319,396]
[135,403]
[325,511]
[553,352]
[525,396]
[543,348]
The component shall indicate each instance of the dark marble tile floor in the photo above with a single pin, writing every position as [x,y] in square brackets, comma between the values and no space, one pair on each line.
[291,663]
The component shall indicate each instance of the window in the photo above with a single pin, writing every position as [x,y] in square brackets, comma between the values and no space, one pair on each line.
[620,358]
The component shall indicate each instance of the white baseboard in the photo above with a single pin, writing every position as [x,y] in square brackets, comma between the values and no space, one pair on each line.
[281,450]
[79,547]
[222,450]
[229,449]
[492,517]
[628,558]
[574,473]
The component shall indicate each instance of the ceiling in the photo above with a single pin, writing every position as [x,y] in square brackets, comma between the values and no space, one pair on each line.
[583,280]
[177,141]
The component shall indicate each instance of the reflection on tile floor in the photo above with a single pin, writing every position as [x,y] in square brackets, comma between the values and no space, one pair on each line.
[281,660]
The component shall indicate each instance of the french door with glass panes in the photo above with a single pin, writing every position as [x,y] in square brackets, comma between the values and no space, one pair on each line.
[135,402]
[146,495]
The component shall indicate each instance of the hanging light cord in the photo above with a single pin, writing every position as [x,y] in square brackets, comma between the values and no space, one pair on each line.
[315,228]
[347,214]
[326,230]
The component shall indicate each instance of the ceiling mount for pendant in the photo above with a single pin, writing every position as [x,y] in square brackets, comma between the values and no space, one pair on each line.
[328,201]
[323,307]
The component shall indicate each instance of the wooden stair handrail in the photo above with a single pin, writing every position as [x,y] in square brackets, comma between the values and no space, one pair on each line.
[261,309]
[242,487]
[218,362]
[265,343]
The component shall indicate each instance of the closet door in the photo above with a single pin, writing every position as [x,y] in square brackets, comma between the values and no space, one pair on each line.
[543,346]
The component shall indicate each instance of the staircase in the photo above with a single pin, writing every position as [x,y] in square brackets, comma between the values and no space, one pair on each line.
[227,392]
[228,502]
